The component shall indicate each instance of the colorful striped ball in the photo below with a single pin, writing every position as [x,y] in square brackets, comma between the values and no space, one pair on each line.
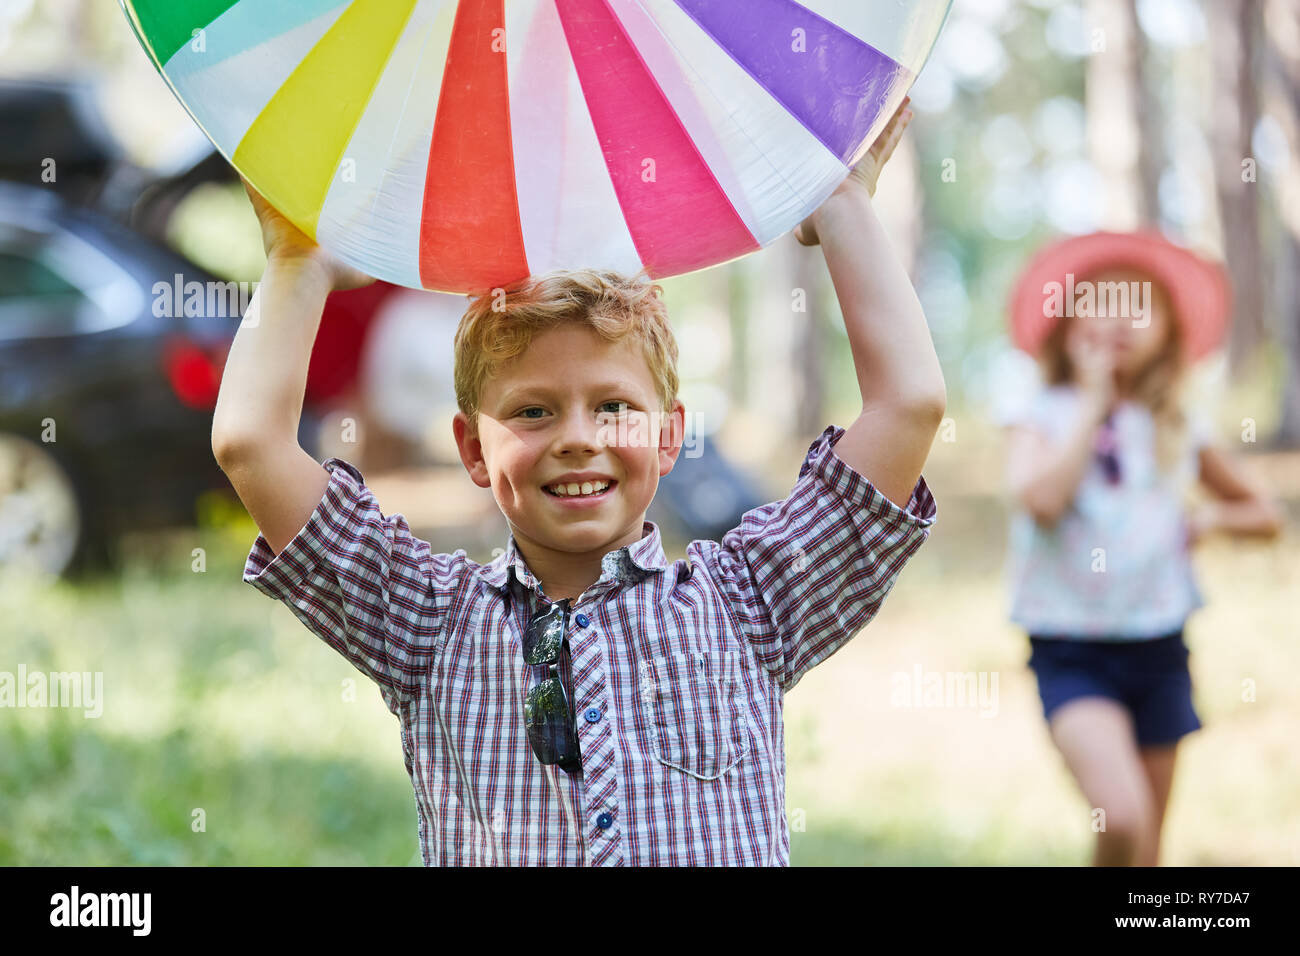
[460,145]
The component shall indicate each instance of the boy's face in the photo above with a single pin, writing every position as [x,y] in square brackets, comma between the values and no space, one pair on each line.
[573,413]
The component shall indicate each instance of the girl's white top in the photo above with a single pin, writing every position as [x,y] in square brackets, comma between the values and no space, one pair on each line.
[1116,565]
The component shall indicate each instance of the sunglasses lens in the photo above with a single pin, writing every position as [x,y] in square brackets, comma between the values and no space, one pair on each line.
[550,729]
[544,635]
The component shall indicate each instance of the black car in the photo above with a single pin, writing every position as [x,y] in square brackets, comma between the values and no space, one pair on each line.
[106,393]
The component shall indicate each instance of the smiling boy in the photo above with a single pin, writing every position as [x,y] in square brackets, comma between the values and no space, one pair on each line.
[581,699]
[558,432]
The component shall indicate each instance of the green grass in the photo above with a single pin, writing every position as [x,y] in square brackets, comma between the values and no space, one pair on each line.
[217,699]
[102,799]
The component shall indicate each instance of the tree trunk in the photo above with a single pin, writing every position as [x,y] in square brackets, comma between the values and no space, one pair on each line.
[739,303]
[1283,32]
[810,337]
[769,345]
[1121,117]
[1234,113]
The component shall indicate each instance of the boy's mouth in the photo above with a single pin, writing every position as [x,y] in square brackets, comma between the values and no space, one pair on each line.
[578,489]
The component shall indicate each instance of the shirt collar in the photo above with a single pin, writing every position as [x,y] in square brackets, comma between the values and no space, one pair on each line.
[626,565]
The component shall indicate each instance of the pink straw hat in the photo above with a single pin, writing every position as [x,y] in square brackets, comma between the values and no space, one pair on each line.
[1200,289]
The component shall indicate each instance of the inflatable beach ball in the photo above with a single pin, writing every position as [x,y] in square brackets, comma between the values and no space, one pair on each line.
[460,145]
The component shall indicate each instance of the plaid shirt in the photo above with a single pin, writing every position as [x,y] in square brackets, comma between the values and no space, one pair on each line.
[676,671]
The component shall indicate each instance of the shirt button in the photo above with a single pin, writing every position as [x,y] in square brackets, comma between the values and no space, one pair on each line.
[604,821]
[582,620]
[592,714]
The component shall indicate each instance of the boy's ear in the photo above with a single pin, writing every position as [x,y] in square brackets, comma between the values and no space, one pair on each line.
[471,449]
[671,436]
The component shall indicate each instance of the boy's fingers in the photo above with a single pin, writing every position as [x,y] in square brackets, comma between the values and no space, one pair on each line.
[257,199]
[893,130]
[888,142]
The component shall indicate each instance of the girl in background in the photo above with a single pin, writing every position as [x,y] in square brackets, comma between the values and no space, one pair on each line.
[1100,458]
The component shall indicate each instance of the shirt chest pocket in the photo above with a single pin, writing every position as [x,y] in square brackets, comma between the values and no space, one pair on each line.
[695,714]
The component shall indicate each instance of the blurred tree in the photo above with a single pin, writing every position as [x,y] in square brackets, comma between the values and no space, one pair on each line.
[739,303]
[811,276]
[1283,59]
[1234,111]
[1120,114]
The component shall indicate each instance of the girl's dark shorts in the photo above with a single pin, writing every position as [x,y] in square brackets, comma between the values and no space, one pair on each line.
[1149,677]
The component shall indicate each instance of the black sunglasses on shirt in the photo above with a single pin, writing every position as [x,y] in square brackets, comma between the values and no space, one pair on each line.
[552,731]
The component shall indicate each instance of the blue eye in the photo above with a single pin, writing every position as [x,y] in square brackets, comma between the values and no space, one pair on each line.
[528,412]
[614,408]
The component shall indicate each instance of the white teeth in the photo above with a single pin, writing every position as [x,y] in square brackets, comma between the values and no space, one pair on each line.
[571,488]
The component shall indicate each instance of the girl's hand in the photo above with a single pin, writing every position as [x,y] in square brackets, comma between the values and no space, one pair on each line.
[1201,521]
[1240,506]
[285,242]
[1093,359]
[867,170]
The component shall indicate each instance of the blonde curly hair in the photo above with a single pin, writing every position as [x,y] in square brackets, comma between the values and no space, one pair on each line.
[501,323]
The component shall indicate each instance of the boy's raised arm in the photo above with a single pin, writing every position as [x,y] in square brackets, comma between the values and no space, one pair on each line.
[255,424]
[903,393]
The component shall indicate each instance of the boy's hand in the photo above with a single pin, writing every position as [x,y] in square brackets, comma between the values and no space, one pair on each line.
[285,242]
[867,170]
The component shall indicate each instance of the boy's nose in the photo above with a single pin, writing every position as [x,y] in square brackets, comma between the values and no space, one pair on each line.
[579,434]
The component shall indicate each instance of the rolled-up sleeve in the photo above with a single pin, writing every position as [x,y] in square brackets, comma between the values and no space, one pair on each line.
[362,583]
[805,574]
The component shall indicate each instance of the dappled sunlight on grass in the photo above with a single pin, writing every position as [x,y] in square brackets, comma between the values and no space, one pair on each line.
[86,797]
[217,698]
[993,787]
[214,698]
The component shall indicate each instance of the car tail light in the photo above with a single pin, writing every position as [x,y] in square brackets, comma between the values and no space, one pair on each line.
[194,372]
